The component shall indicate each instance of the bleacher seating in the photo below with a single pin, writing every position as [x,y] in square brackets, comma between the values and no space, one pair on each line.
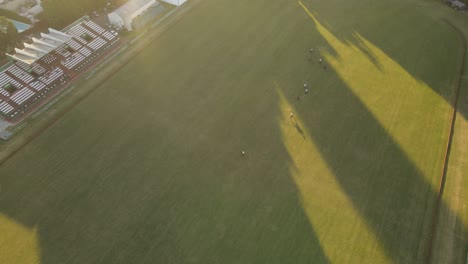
[22,96]
[37,85]
[86,52]
[97,43]
[22,65]
[5,79]
[94,27]
[49,58]
[73,60]
[32,82]
[38,68]
[4,92]
[51,76]
[73,44]
[20,74]
[78,31]
[64,52]
[108,35]
[6,108]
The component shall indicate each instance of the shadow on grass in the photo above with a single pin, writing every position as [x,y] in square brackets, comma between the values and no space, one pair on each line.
[364,27]
[120,189]
[94,199]
[299,129]
[391,193]
[403,18]
[92,210]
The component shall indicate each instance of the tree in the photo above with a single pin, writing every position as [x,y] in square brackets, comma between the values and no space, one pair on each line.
[8,36]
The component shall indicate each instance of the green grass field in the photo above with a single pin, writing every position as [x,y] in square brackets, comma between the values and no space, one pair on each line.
[148,168]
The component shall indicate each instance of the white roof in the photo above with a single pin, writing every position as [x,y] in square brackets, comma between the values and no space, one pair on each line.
[40,47]
[132,6]
[35,10]
[458,4]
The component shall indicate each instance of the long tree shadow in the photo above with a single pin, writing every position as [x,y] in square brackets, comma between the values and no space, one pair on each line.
[112,214]
[175,199]
[392,195]
[391,188]
[417,48]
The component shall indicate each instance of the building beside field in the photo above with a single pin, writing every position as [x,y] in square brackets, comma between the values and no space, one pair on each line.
[40,47]
[175,2]
[457,4]
[34,11]
[48,62]
[135,14]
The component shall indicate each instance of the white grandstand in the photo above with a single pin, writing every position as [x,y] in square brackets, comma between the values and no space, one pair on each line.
[40,47]
[48,62]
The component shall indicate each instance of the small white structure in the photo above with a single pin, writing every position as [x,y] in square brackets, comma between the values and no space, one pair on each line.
[34,11]
[124,15]
[175,2]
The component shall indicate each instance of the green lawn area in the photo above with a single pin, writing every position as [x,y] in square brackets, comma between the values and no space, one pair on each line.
[148,168]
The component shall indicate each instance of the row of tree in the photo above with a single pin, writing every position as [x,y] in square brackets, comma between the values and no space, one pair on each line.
[60,13]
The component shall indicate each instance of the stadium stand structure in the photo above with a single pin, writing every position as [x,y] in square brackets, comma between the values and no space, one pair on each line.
[48,63]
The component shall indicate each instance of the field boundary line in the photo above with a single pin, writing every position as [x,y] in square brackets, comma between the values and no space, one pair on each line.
[436,213]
